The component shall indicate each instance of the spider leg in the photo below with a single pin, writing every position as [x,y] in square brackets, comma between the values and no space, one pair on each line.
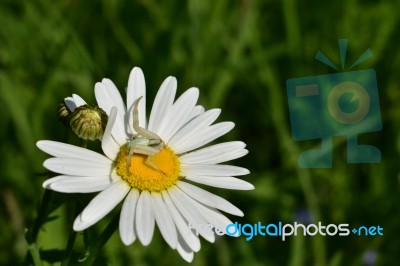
[140,149]
[156,142]
[130,154]
[136,114]
[150,152]
[148,162]
[142,131]
[146,150]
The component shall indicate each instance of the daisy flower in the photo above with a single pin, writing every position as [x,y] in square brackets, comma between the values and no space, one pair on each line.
[152,166]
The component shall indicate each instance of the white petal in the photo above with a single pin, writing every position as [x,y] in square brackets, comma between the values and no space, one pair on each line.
[209,199]
[214,218]
[162,104]
[136,88]
[164,220]
[211,133]
[212,170]
[214,154]
[127,218]
[197,110]
[77,167]
[101,205]
[227,182]
[115,96]
[192,241]
[192,215]
[144,218]
[179,114]
[199,123]
[70,103]
[105,98]
[63,150]
[109,146]
[73,102]
[185,251]
[78,100]
[77,184]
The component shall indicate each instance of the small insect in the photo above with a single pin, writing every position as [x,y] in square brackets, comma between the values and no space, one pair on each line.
[143,142]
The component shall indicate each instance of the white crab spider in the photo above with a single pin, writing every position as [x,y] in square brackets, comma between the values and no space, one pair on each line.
[143,142]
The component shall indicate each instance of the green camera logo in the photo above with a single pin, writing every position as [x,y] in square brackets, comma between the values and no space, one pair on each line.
[339,104]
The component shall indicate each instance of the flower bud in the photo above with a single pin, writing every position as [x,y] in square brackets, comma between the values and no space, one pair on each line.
[88,122]
[63,114]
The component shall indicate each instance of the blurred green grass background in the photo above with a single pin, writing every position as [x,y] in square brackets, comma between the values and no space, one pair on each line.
[239,53]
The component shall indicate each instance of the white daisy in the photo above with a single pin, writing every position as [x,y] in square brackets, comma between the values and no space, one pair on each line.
[148,165]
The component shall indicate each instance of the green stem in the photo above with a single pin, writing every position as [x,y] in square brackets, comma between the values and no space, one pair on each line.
[35,254]
[94,250]
[68,249]
[304,176]
[292,23]
[71,240]
[41,217]
[32,234]
[73,233]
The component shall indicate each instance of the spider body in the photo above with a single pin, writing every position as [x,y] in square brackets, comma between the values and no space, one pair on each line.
[144,141]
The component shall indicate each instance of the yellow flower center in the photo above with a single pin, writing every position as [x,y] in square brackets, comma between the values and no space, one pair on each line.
[152,173]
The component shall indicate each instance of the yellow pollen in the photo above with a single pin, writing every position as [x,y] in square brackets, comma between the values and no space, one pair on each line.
[152,173]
